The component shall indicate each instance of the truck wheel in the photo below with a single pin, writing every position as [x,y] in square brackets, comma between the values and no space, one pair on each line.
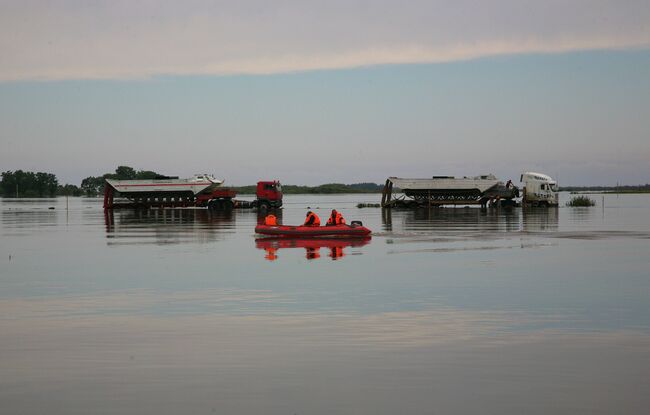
[264,206]
[228,204]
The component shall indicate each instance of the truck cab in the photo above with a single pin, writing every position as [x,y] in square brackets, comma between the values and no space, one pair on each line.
[269,194]
[539,189]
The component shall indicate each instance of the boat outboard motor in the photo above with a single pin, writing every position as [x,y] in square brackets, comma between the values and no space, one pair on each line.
[356,223]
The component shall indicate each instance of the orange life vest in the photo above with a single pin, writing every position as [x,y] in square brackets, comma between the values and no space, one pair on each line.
[312,220]
[270,220]
[335,219]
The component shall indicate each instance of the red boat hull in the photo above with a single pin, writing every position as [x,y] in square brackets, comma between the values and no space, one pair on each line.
[313,231]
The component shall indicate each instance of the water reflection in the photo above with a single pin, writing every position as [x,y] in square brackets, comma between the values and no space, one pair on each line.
[539,219]
[312,246]
[584,214]
[165,226]
[29,218]
[459,220]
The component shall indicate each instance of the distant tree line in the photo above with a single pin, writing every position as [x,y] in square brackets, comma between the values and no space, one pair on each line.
[28,184]
[329,188]
[609,189]
[21,183]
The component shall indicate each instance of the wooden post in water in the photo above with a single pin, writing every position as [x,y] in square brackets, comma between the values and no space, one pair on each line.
[387,193]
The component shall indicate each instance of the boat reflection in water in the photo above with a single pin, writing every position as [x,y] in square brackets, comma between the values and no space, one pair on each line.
[312,246]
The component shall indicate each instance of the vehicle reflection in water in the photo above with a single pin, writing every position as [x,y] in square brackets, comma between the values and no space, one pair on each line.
[470,220]
[539,219]
[312,246]
[167,226]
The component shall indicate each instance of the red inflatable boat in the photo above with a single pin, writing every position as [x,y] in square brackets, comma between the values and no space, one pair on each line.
[313,231]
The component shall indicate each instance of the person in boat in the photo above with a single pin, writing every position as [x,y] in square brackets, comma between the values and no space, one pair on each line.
[335,219]
[312,219]
[270,220]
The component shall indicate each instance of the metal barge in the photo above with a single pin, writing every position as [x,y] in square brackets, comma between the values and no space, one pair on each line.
[171,186]
[447,190]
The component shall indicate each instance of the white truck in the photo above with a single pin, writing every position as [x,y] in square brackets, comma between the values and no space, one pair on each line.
[539,190]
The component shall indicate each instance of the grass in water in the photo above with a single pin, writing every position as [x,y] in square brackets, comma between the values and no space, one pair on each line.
[580,201]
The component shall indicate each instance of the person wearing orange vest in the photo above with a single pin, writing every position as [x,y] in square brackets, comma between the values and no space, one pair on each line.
[312,219]
[335,219]
[270,220]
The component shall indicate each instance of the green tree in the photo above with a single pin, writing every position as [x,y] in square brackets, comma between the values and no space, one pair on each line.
[146,175]
[125,173]
[45,184]
[69,190]
[8,184]
[92,185]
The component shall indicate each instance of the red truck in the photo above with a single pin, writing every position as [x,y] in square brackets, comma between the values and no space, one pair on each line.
[268,195]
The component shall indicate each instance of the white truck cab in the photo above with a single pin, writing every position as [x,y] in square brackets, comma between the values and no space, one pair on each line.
[539,189]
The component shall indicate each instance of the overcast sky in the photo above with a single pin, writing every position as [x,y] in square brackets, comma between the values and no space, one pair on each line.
[314,92]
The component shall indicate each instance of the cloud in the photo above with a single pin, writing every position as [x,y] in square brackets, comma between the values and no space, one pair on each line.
[129,40]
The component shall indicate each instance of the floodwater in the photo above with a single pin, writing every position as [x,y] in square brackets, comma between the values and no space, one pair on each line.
[443,311]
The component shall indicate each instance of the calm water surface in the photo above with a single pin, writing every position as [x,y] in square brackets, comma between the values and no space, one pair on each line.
[442,311]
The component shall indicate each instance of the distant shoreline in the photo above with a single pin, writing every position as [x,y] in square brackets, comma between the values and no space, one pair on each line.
[352,189]
[323,189]
[607,189]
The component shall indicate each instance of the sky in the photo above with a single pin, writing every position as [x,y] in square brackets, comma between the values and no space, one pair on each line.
[316,92]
